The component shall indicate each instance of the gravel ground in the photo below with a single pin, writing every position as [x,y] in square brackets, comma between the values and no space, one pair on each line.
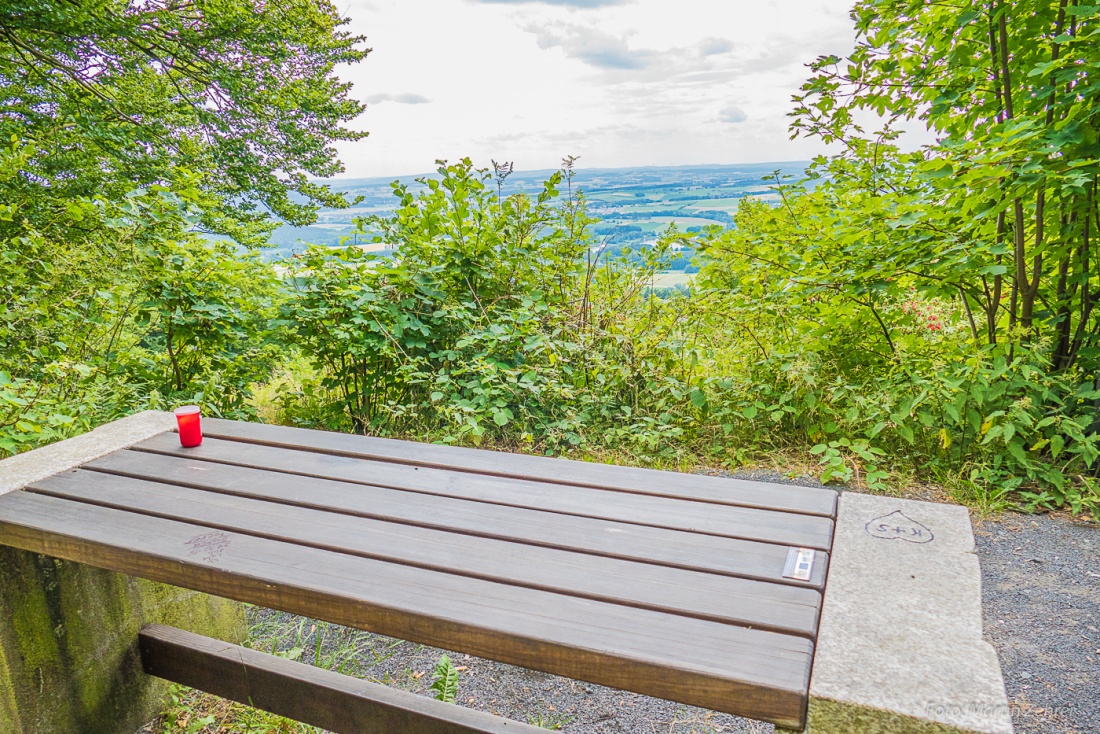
[506,690]
[1041,599]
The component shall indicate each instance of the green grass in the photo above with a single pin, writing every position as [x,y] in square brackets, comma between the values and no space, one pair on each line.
[729,205]
[671,279]
[686,221]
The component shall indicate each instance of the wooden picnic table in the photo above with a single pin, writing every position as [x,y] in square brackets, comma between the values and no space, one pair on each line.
[666,584]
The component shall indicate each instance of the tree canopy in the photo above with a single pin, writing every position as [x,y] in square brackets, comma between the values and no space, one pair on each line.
[1002,212]
[235,99]
[132,133]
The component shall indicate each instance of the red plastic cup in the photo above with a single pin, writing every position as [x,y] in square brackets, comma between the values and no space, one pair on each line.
[188,419]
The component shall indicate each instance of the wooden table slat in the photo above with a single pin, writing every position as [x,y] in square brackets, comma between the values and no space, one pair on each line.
[676,548]
[744,493]
[759,674]
[756,604]
[677,514]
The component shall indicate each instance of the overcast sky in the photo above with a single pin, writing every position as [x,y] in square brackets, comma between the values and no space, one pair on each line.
[617,82]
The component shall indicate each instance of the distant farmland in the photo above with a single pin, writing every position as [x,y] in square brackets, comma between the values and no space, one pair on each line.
[633,204]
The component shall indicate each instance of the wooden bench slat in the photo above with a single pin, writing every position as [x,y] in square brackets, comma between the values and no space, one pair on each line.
[676,548]
[315,696]
[787,498]
[759,674]
[754,604]
[677,514]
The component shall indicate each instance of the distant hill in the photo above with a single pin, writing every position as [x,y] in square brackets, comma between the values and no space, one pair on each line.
[633,204]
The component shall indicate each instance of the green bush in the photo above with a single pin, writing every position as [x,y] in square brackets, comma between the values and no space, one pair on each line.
[501,320]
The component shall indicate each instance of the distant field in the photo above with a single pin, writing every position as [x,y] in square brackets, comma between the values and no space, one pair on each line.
[686,221]
[658,207]
[671,279]
[626,196]
[730,204]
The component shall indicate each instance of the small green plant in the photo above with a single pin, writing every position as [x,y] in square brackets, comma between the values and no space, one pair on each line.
[549,720]
[841,462]
[182,716]
[195,712]
[445,680]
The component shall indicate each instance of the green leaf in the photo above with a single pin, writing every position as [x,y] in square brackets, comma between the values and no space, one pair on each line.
[1017,452]
[698,398]
[445,680]
[1057,443]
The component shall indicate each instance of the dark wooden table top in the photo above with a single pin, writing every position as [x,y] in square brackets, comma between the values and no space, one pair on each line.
[661,583]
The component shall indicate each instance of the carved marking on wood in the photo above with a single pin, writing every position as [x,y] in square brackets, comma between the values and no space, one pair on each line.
[209,546]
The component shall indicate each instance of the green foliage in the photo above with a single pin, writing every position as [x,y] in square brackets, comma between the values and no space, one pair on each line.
[135,131]
[452,319]
[445,680]
[940,303]
[789,339]
[109,307]
[497,319]
[195,712]
[205,319]
[241,94]
[876,365]
[549,720]
[928,312]
[28,415]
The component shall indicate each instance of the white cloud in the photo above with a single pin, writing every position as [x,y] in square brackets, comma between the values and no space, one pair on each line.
[592,46]
[715,46]
[646,82]
[398,98]
[732,115]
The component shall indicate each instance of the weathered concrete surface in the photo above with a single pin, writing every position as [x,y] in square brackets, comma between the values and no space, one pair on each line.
[68,654]
[9,712]
[68,632]
[900,648]
[20,470]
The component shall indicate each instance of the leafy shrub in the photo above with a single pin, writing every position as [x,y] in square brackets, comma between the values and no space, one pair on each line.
[875,368]
[494,317]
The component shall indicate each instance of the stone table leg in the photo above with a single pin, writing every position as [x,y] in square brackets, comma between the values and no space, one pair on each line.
[900,649]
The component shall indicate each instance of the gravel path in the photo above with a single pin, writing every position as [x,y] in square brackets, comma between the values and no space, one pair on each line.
[1041,598]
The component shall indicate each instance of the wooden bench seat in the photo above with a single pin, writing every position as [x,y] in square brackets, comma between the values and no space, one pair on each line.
[665,584]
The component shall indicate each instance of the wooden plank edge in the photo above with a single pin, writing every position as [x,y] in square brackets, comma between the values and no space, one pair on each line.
[817,582]
[315,696]
[228,430]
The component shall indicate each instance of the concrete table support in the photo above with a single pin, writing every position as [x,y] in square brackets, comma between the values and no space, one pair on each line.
[900,650]
[68,632]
